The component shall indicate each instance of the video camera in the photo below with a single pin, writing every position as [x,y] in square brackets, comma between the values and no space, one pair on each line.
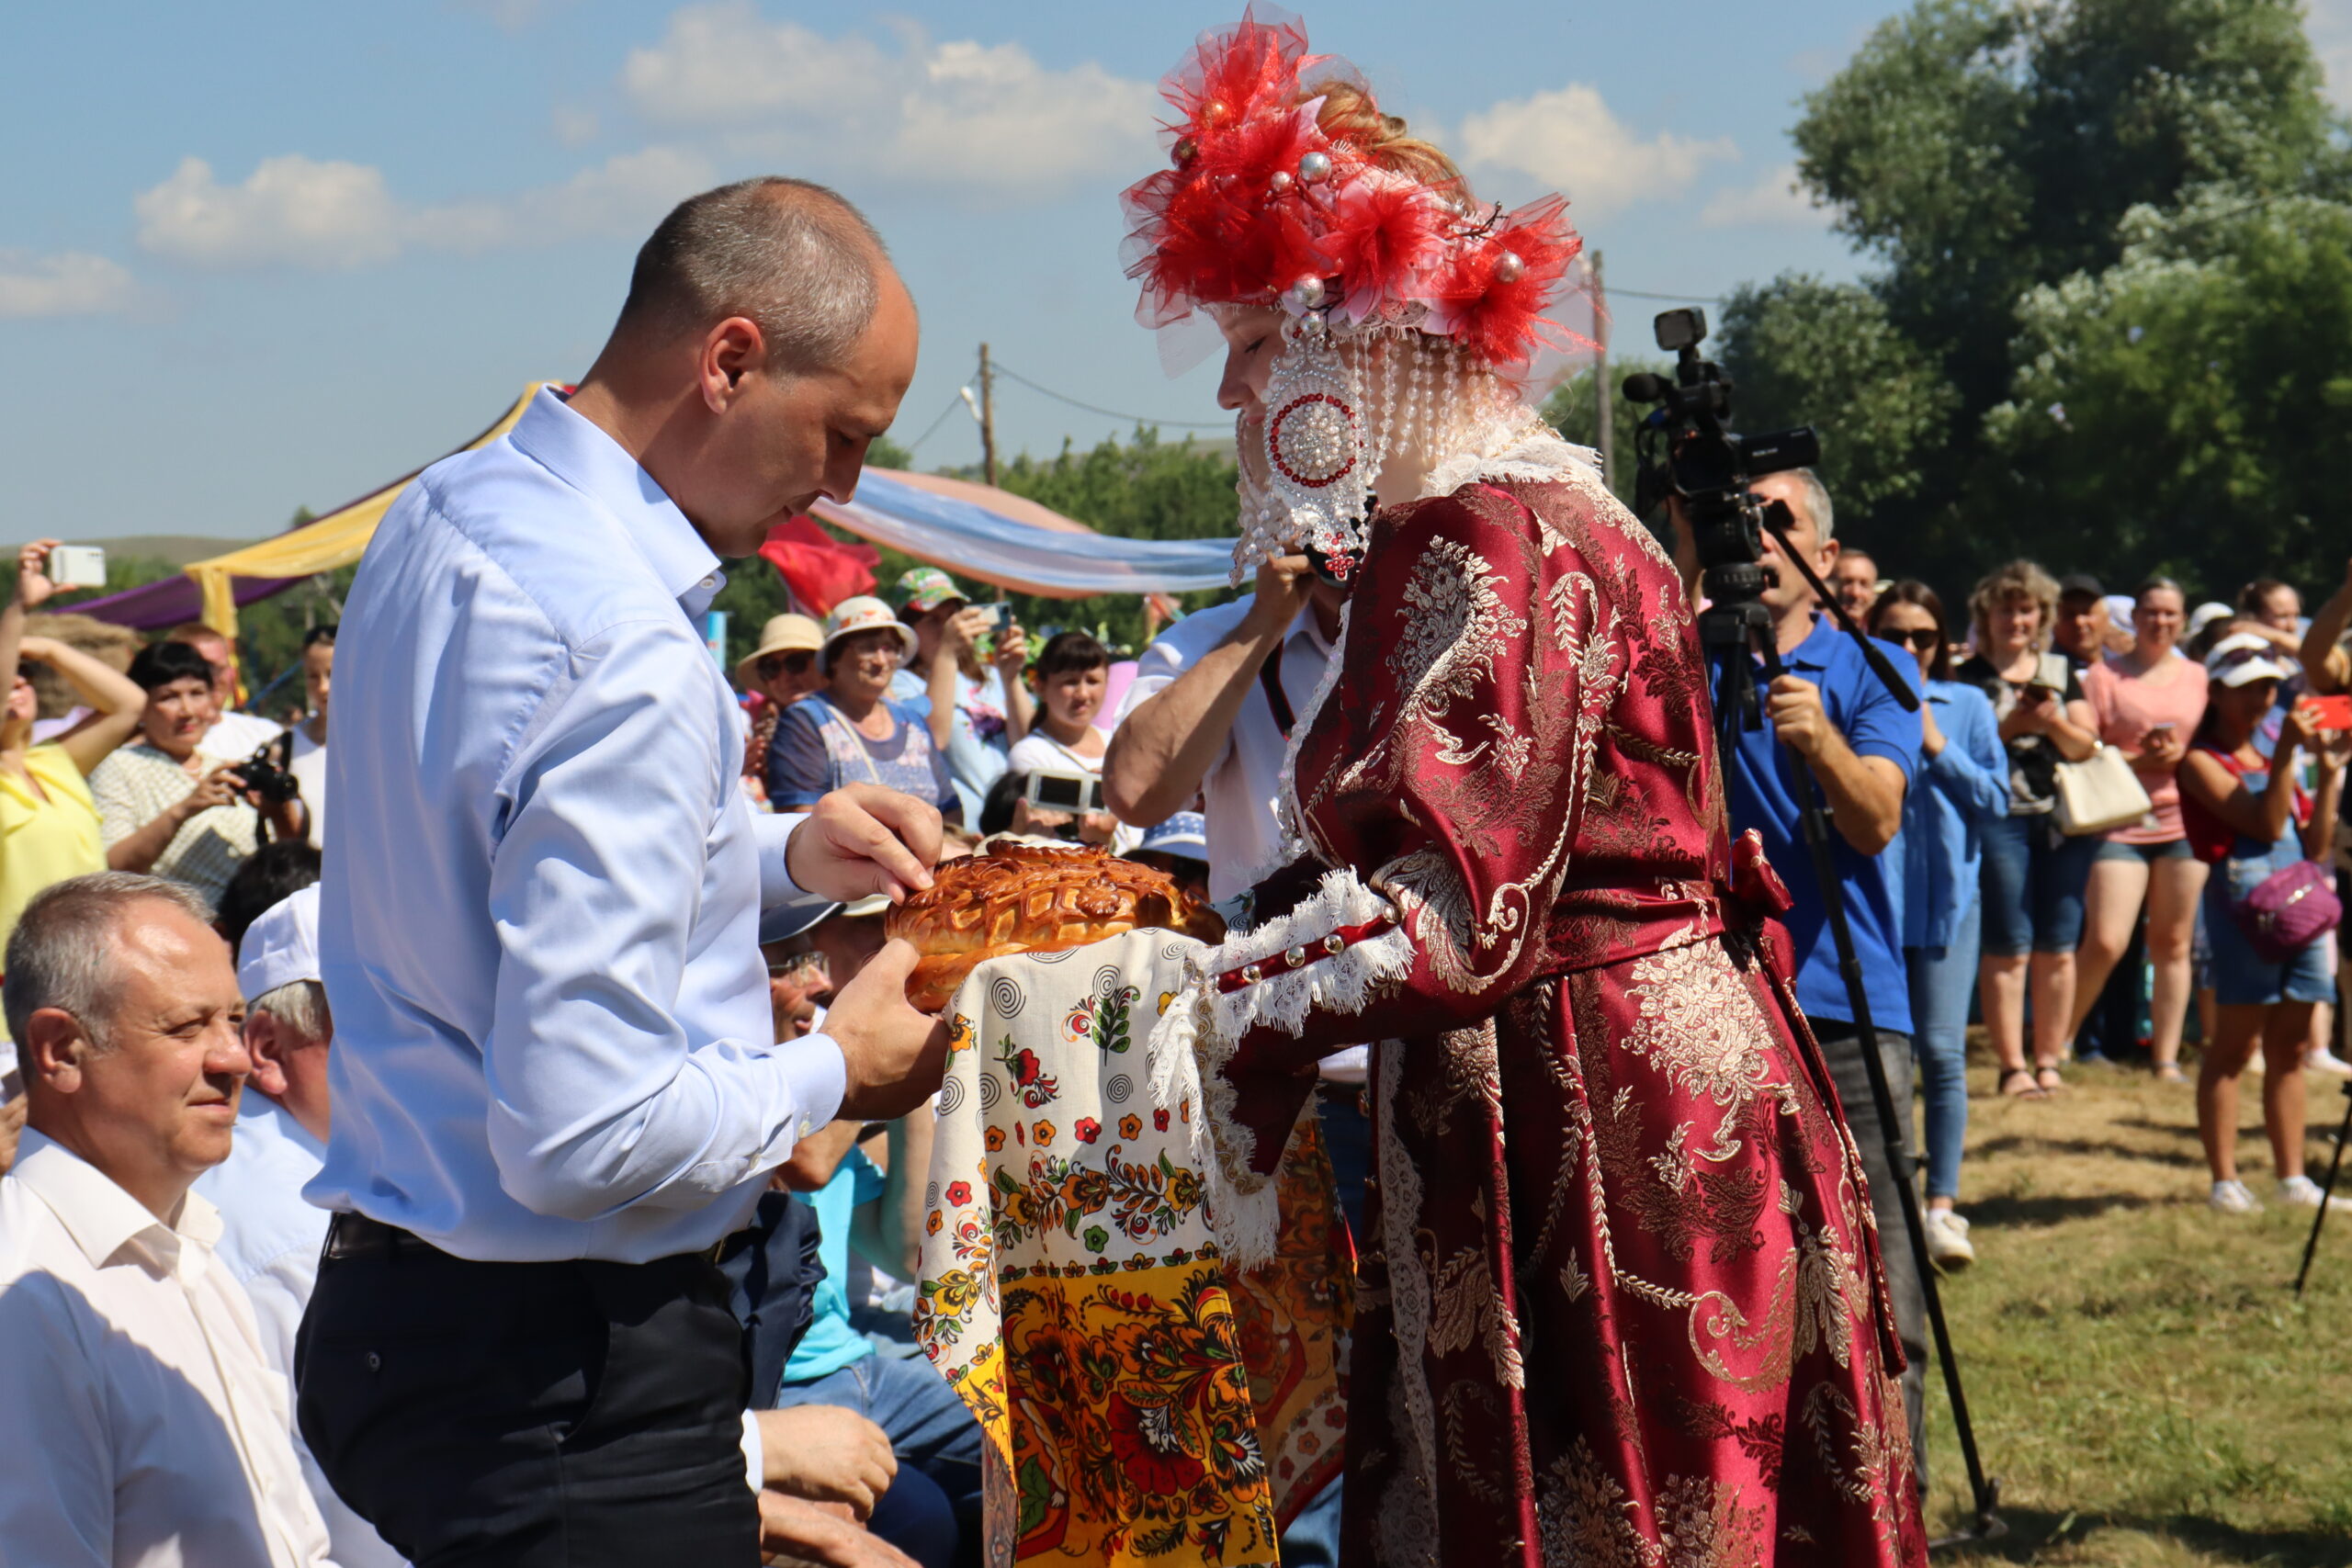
[1688,452]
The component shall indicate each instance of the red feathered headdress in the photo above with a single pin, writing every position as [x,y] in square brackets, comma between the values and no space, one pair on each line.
[1260,207]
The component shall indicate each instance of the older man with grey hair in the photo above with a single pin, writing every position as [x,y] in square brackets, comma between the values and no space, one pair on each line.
[149,1427]
[557,1089]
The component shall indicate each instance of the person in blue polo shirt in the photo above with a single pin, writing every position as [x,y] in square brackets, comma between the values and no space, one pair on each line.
[1862,745]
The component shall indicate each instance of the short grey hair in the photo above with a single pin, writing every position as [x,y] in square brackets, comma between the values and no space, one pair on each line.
[791,255]
[60,954]
[1816,504]
[301,1006]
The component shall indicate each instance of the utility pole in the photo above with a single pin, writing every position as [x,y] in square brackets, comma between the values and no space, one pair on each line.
[1604,410]
[987,417]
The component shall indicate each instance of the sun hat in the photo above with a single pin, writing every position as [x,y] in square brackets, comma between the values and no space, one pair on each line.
[1186,833]
[783,634]
[864,613]
[281,946]
[2205,615]
[923,589]
[2240,657]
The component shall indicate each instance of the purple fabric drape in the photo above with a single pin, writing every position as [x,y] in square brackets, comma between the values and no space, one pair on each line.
[155,605]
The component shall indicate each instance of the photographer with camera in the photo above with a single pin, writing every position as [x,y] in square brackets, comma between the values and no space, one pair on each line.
[167,808]
[1859,742]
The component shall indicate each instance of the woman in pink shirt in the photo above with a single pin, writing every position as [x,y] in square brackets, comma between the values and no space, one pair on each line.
[2148,702]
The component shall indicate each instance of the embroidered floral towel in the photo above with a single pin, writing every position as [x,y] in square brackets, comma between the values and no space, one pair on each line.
[1072,1290]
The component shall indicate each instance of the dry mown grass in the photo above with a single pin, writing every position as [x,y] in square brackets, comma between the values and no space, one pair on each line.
[2145,1382]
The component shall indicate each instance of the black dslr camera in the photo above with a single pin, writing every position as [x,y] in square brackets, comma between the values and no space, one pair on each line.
[266,773]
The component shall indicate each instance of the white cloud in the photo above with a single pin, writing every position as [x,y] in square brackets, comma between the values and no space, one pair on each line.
[1776,201]
[298,212]
[73,283]
[1568,138]
[291,209]
[962,115]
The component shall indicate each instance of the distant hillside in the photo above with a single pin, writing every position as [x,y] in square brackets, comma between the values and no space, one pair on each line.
[178,549]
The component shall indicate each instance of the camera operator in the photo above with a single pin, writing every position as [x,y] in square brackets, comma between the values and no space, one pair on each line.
[1858,740]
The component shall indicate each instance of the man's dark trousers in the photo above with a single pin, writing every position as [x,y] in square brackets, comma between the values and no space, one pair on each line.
[528,1415]
[1842,1047]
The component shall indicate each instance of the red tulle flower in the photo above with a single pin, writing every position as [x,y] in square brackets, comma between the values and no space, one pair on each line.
[1481,300]
[1385,231]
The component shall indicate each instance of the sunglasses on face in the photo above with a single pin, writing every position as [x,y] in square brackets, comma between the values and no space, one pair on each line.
[1922,639]
[776,664]
[799,969]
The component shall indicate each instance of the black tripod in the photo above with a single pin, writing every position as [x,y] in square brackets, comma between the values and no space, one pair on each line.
[1735,624]
[2328,1190]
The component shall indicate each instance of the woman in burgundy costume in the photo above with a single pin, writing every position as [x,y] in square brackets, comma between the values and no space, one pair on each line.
[1620,1304]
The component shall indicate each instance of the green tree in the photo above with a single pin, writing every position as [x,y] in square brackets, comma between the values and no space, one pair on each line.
[2189,409]
[1572,409]
[1803,352]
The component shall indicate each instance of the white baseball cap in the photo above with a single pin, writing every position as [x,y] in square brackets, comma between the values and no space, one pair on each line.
[2242,657]
[281,946]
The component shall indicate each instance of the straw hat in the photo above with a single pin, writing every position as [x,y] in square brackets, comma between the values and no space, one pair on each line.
[864,614]
[783,634]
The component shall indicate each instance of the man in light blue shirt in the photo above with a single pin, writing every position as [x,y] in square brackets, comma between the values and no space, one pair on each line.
[557,1087]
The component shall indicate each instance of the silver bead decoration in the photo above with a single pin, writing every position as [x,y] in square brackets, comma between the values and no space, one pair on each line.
[1335,942]
[1252,975]
[1509,267]
[1306,294]
[1315,167]
[1279,181]
[1295,958]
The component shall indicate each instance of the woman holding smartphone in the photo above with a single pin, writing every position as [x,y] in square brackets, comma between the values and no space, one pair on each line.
[2149,702]
[2033,874]
[2248,819]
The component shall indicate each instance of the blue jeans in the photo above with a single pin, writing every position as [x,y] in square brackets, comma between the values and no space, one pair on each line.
[1942,979]
[929,1430]
[2031,884]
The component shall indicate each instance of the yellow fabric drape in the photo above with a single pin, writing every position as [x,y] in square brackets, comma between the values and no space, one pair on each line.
[336,539]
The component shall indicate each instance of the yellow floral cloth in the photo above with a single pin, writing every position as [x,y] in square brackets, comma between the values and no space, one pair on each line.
[1072,1290]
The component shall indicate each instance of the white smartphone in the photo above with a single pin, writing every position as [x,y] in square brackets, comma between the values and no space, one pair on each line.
[78,566]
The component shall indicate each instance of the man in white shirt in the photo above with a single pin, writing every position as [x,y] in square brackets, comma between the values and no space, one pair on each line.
[557,1089]
[270,1238]
[149,1427]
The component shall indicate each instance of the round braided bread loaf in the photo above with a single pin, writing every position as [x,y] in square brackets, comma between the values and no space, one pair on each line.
[1033,899]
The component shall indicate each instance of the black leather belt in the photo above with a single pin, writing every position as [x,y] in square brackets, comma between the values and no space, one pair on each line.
[356,1235]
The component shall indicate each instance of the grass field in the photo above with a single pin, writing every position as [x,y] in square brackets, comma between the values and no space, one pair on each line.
[2146,1384]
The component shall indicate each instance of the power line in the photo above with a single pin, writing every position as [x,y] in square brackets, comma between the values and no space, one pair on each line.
[1112,414]
[957,398]
[1644,294]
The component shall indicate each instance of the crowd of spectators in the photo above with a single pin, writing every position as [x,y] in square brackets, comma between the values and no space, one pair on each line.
[172,1024]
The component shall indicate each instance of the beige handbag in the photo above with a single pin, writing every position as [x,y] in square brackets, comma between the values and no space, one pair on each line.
[2099,793]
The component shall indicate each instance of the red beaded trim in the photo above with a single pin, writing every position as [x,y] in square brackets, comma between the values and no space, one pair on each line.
[1283,963]
[1274,440]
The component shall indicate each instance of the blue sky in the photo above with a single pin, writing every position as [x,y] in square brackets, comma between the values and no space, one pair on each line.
[253,255]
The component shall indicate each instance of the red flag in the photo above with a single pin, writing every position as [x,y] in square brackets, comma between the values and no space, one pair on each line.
[820,571]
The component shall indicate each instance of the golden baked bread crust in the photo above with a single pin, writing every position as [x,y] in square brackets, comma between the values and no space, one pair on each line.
[1031,899]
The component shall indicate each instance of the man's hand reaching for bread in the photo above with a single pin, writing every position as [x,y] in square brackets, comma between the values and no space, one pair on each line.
[895,1056]
[862,840]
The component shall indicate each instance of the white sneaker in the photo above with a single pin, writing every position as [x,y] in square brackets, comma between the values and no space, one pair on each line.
[2232,1197]
[2327,1064]
[1948,1245]
[2302,1192]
